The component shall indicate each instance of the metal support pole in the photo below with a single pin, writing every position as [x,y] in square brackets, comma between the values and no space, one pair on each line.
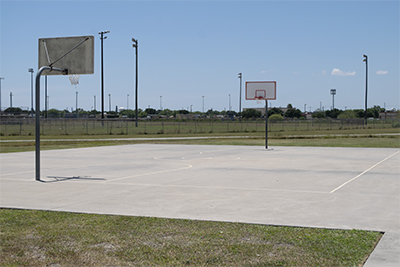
[366,87]
[240,94]
[136,46]
[102,78]
[45,96]
[37,119]
[266,124]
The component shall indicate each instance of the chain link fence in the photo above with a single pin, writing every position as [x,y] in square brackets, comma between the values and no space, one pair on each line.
[26,127]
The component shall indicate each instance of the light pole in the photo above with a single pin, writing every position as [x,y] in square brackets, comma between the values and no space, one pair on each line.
[366,87]
[102,37]
[127,101]
[136,46]
[240,94]
[1,78]
[109,102]
[229,95]
[161,102]
[94,102]
[333,93]
[31,71]
[11,95]
[76,104]
[203,103]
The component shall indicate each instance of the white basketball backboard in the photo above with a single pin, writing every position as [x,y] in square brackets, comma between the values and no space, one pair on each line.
[75,54]
[261,90]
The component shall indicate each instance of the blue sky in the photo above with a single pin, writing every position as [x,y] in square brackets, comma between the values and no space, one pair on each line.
[190,49]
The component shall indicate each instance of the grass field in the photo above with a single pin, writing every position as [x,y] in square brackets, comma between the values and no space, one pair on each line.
[44,238]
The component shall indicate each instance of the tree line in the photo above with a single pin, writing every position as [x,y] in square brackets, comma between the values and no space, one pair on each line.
[273,113]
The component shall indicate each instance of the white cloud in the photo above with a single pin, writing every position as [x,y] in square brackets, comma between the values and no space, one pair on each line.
[342,73]
[382,72]
[323,72]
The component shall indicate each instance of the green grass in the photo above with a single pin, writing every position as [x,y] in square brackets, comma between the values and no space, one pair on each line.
[252,140]
[45,238]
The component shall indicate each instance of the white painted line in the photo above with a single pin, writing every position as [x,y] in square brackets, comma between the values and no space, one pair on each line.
[221,188]
[367,170]
[148,173]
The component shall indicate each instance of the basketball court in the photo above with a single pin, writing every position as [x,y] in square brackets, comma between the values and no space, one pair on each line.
[346,188]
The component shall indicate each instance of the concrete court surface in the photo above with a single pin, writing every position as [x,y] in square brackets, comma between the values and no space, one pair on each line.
[346,188]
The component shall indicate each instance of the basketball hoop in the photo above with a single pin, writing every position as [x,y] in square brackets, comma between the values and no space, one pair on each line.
[74,79]
[259,99]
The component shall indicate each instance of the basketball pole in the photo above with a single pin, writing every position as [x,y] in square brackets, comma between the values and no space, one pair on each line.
[266,124]
[37,117]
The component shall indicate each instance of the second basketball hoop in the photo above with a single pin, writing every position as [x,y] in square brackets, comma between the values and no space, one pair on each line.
[261,90]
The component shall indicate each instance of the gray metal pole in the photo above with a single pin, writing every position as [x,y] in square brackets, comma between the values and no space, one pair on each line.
[1,78]
[240,95]
[266,124]
[31,71]
[366,86]
[37,119]
[45,96]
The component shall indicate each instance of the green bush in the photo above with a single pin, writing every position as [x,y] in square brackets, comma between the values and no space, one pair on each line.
[275,117]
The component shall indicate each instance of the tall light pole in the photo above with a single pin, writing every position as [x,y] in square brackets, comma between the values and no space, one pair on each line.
[1,78]
[333,93]
[109,102]
[136,46]
[11,95]
[94,102]
[76,104]
[203,103]
[160,102]
[31,71]
[102,37]
[127,101]
[229,95]
[366,86]
[240,94]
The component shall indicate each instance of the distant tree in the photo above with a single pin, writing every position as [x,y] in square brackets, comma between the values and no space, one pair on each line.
[293,113]
[347,114]
[318,114]
[129,113]
[333,113]
[374,111]
[212,112]
[166,112]
[275,111]
[359,113]
[13,110]
[150,111]
[289,105]
[251,113]
[183,111]
[142,114]
[275,117]
[54,113]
